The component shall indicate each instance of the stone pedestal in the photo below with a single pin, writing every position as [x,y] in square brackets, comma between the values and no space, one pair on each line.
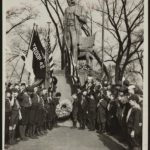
[62,85]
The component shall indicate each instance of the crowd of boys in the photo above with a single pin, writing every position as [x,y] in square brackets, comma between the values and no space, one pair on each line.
[110,109]
[107,108]
[29,112]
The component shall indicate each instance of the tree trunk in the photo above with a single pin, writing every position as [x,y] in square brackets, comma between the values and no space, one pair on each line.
[118,74]
[100,63]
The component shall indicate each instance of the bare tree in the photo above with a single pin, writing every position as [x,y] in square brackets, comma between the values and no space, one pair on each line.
[124,20]
[17,16]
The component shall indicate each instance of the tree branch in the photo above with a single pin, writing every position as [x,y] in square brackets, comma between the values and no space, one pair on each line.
[19,23]
[60,7]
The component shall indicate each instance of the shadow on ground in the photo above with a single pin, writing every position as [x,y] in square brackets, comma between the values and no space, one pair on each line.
[109,143]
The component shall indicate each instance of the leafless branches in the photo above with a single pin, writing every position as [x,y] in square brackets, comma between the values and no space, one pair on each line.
[130,19]
[17,17]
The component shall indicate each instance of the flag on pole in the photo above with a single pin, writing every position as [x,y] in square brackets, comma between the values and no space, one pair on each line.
[73,71]
[35,59]
[50,55]
[51,62]
[38,63]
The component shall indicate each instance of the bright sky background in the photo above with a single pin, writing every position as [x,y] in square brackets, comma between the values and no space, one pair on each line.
[43,17]
[37,4]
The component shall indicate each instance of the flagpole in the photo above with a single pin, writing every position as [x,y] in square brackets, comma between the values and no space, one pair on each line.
[46,58]
[27,52]
[103,39]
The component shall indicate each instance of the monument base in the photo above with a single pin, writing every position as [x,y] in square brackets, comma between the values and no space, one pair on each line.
[63,86]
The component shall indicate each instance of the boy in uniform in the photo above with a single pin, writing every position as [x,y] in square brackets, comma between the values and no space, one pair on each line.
[25,103]
[15,116]
[8,109]
[33,117]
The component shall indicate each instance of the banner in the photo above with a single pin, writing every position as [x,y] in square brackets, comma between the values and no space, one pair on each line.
[38,63]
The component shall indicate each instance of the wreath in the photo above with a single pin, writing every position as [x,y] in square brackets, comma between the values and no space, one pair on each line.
[64,108]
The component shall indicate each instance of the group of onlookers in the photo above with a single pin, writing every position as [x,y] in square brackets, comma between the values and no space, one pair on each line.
[116,109]
[110,108]
[29,112]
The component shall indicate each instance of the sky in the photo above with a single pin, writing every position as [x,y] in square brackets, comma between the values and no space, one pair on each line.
[43,17]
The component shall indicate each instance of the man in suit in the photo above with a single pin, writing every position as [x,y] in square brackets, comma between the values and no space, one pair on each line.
[122,109]
[111,115]
[134,122]
[91,110]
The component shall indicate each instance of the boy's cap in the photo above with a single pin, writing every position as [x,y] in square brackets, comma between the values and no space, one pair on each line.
[23,84]
[8,91]
[134,97]
[16,84]
[126,83]
[58,94]
[30,89]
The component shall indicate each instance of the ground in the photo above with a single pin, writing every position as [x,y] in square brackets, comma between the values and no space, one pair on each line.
[65,138]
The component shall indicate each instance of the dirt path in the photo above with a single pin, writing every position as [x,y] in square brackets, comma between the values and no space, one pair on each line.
[65,138]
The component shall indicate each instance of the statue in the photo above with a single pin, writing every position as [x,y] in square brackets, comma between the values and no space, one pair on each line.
[74,18]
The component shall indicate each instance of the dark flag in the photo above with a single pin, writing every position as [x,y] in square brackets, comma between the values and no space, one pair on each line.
[38,63]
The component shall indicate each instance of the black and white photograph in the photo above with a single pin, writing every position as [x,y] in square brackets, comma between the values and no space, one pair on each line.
[75,75]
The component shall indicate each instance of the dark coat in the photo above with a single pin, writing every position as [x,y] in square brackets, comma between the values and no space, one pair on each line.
[112,123]
[51,110]
[134,120]
[91,107]
[24,100]
[83,107]
[15,113]
[112,109]
[7,105]
[75,107]
[133,124]
[101,111]
[54,103]
[33,117]
[122,110]
[75,110]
